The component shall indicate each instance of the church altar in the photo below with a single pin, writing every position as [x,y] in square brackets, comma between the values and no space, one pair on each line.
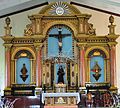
[60,98]
[59,53]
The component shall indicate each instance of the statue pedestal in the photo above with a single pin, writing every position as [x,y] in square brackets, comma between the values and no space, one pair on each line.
[60,88]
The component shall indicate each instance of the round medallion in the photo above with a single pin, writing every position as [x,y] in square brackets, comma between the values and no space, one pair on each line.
[59,11]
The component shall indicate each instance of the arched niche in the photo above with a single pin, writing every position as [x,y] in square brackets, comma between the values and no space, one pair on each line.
[98,65]
[66,38]
[23,58]
[23,67]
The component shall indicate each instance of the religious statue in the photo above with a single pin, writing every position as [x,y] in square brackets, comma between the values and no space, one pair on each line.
[24,71]
[60,75]
[59,36]
[96,69]
[60,46]
[60,40]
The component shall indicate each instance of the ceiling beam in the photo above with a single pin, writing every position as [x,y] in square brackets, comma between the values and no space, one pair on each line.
[81,4]
[22,7]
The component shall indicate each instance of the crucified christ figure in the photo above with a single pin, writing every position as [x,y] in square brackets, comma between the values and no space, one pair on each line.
[59,36]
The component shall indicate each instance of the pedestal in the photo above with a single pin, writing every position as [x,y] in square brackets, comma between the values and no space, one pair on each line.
[60,88]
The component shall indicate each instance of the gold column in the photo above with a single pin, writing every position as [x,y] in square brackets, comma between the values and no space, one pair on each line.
[8,65]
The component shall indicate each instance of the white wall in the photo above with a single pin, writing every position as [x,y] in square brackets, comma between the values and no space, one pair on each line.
[19,21]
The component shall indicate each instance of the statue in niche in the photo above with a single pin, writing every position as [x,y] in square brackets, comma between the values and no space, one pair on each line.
[61,75]
[96,69]
[24,72]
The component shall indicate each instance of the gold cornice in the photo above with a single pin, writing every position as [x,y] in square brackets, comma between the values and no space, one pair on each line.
[8,45]
[36,16]
[46,17]
[7,39]
[40,37]
[38,45]
[82,38]
[112,43]
[24,39]
[112,36]
[81,44]
[83,15]
[54,17]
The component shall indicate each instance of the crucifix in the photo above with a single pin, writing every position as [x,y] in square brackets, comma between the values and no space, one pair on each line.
[59,36]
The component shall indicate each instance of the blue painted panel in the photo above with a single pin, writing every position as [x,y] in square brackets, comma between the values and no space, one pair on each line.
[53,43]
[67,43]
[19,66]
[100,61]
[52,46]
[56,76]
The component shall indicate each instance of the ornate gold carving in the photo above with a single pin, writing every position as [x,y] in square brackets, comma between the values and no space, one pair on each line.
[96,53]
[91,31]
[47,10]
[23,54]
[60,100]
[72,100]
[28,30]
[59,8]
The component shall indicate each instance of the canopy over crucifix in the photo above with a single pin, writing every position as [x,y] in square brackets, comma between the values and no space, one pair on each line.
[59,36]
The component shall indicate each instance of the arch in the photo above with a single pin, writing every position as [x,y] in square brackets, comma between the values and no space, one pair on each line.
[97,47]
[23,48]
[60,25]
[68,24]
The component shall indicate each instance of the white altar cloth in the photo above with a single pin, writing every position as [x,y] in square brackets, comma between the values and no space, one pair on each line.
[44,95]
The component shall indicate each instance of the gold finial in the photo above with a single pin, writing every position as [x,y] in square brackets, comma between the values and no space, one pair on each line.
[7,20]
[111,19]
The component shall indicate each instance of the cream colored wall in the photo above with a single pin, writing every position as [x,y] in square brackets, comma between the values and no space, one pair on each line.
[19,21]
